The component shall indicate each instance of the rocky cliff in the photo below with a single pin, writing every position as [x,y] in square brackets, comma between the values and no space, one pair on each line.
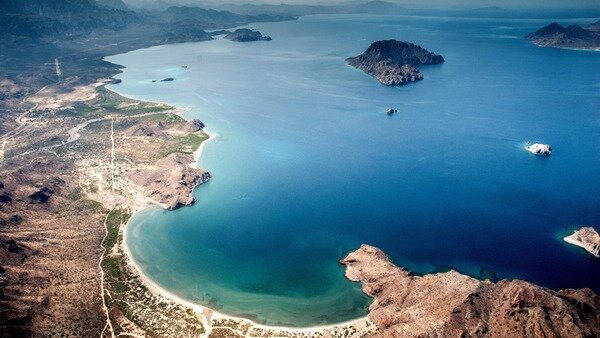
[393,62]
[454,305]
[573,36]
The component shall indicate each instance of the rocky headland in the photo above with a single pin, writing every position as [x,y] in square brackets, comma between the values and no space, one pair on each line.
[171,180]
[246,35]
[587,238]
[573,36]
[450,304]
[394,62]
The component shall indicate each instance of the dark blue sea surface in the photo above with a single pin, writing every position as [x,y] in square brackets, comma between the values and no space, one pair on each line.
[307,166]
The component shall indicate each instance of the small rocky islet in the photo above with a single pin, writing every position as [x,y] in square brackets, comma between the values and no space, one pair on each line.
[247,35]
[394,62]
[539,149]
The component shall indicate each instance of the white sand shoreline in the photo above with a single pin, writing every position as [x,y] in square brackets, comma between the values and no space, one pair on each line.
[207,314]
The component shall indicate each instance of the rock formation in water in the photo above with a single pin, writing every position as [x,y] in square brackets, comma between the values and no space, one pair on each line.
[587,238]
[573,36]
[393,62]
[245,35]
[539,149]
[450,304]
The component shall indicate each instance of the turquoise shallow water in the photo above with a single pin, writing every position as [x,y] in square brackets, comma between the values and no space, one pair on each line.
[307,166]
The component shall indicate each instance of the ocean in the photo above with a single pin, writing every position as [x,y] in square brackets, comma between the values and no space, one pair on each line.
[307,166]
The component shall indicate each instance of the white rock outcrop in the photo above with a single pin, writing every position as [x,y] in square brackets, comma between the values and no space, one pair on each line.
[539,149]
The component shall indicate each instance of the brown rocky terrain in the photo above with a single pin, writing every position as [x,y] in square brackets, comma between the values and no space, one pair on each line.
[587,238]
[171,180]
[65,163]
[454,305]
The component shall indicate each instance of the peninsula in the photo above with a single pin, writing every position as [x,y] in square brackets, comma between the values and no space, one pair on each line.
[246,35]
[394,62]
[573,36]
[587,238]
[450,304]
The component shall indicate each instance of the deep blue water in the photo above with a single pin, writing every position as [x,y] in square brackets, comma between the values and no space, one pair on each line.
[307,166]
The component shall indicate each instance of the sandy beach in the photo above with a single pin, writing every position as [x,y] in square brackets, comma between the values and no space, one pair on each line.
[211,318]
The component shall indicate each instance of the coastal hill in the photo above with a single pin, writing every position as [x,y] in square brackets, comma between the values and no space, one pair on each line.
[245,35]
[573,36]
[77,34]
[450,304]
[394,62]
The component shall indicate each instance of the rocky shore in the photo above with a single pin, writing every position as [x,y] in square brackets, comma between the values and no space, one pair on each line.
[586,238]
[393,62]
[450,304]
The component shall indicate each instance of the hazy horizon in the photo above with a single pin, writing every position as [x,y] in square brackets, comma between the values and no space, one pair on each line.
[442,4]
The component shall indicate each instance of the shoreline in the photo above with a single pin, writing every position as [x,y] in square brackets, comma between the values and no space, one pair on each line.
[581,49]
[208,314]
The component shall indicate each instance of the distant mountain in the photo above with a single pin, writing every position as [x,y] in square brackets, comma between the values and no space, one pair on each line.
[33,20]
[38,18]
[112,4]
[36,34]
[371,7]
[573,36]
[490,9]
[210,18]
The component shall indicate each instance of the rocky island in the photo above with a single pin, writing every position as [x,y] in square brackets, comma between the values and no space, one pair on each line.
[450,304]
[587,238]
[246,35]
[539,149]
[573,36]
[394,62]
